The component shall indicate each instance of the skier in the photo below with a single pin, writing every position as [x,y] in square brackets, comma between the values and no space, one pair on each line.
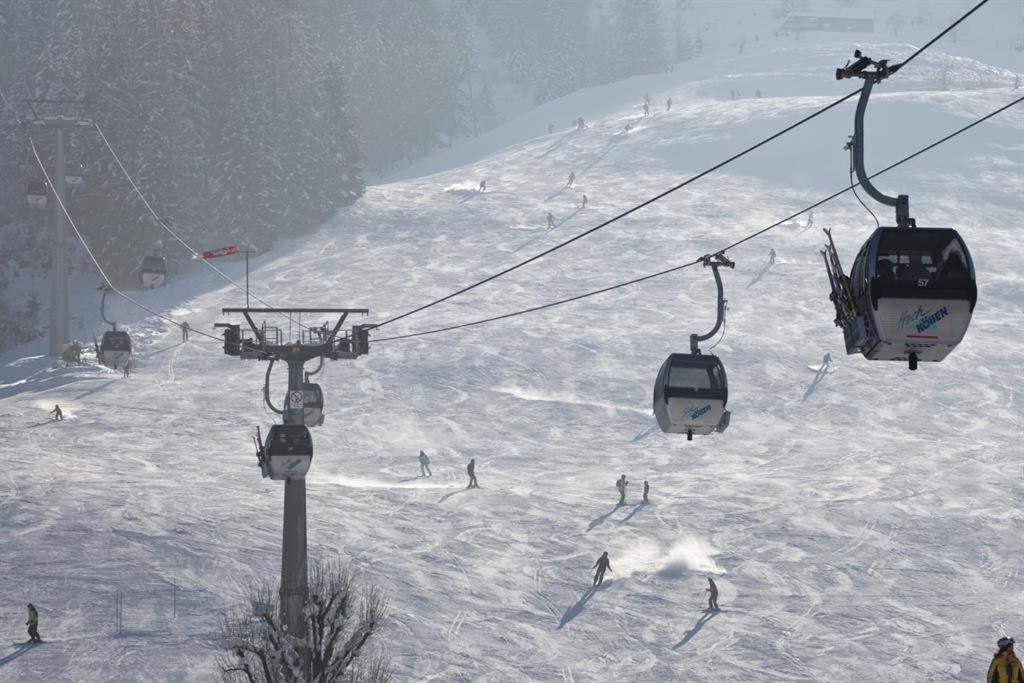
[33,624]
[185,329]
[551,221]
[810,219]
[572,179]
[647,489]
[602,565]
[1005,667]
[1016,82]
[483,186]
[668,104]
[127,367]
[425,465]
[471,471]
[580,124]
[584,201]
[621,485]
[647,109]
[72,354]
[713,598]
[58,414]
[771,256]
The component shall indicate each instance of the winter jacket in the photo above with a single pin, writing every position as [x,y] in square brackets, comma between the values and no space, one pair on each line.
[1005,668]
[33,619]
[603,563]
[424,460]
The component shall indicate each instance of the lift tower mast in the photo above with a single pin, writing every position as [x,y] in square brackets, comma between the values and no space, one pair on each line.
[62,123]
[287,452]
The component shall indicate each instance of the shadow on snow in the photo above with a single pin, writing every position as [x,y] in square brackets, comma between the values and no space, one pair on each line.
[18,651]
[704,618]
[574,610]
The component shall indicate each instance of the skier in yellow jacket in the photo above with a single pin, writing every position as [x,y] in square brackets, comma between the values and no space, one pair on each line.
[33,624]
[1005,667]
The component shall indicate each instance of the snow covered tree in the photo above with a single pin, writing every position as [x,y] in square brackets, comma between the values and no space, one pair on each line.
[342,620]
[562,35]
[639,43]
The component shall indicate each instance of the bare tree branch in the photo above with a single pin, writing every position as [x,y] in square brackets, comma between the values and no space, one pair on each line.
[341,617]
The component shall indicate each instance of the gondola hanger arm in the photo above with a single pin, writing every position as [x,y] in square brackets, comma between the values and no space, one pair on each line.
[716,261]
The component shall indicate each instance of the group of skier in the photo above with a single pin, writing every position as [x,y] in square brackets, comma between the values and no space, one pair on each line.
[647,107]
[1005,667]
[621,483]
[470,470]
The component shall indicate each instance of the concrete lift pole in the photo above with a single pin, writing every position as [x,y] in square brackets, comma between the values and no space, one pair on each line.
[59,301]
[266,344]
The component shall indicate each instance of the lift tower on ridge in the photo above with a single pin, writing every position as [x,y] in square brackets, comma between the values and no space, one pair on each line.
[288,450]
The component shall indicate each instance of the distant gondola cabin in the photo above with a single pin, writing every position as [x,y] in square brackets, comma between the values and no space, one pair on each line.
[153,272]
[36,194]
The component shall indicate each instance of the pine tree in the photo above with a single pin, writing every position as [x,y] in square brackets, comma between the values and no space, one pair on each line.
[640,45]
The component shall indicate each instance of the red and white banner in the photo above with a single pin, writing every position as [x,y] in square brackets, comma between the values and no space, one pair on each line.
[223,251]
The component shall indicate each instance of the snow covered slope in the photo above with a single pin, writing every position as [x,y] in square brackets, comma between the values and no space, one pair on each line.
[865,528]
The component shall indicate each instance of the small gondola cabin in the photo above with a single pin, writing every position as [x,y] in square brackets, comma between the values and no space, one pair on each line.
[153,272]
[690,395]
[115,349]
[288,452]
[313,404]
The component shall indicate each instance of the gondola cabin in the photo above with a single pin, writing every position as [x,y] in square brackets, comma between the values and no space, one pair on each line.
[313,404]
[288,452]
[36,194]
[690,395]
[914,291]
[115,349]
[73,175]
[153,272]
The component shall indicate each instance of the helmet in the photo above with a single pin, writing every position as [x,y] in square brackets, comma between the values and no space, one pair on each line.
[1004,643]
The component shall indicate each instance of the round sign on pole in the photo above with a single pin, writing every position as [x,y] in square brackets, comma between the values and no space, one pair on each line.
[295,399]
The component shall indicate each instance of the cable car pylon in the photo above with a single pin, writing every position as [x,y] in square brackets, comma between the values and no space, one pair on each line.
[691,391]
[287,452]
[911,291]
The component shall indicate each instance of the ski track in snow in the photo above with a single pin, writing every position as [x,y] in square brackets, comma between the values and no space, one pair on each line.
[869,532]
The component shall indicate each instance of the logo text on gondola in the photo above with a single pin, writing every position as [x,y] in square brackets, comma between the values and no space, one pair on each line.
[919,321]
[694,414]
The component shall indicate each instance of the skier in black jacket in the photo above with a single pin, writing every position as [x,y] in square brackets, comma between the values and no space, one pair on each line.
[603,564]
